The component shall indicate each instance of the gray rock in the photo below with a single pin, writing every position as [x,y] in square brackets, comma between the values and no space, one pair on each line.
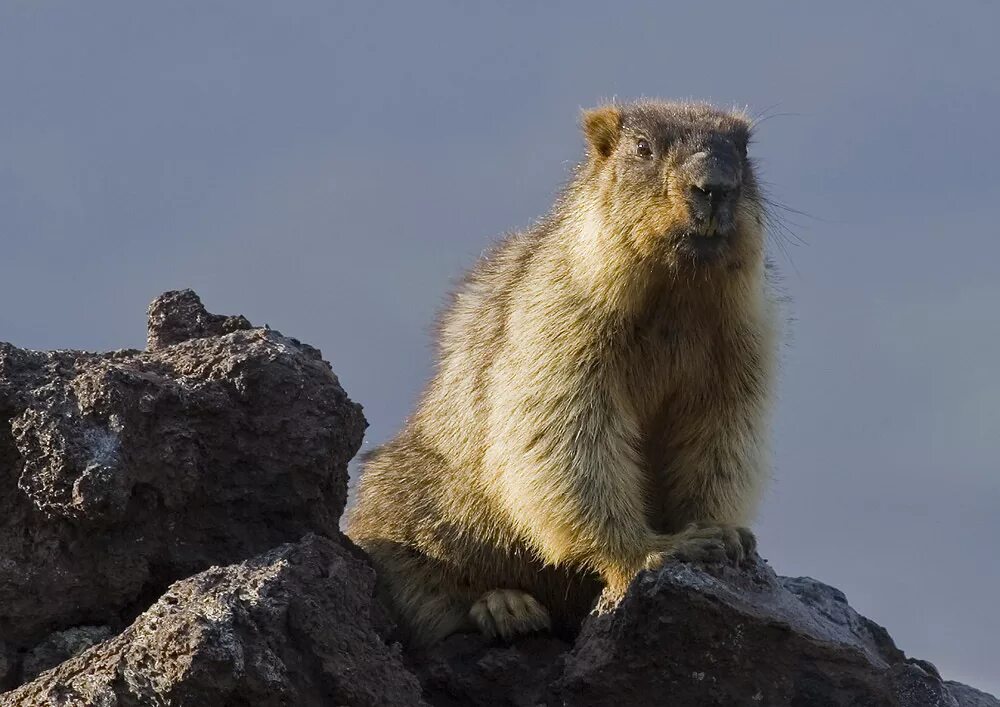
[722,636]
[295,626]
[179,316]
[6,666]
[60,646]
[970,696]
[123,472]
[470,671]
[700,636]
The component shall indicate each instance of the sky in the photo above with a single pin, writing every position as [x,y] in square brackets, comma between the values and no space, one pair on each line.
[331,168]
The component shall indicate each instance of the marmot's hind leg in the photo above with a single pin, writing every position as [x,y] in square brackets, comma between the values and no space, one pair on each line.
[508,613]
[425,602]
[433,618]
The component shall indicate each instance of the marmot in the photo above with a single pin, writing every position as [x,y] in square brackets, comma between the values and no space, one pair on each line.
[601,395]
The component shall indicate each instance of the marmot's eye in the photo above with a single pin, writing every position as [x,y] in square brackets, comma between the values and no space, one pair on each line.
[643,149]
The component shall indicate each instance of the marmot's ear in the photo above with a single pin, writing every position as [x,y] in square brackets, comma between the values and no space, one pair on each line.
[602,126]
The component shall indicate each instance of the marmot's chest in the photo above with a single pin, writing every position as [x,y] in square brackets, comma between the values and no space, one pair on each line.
[672,363]
[686,383]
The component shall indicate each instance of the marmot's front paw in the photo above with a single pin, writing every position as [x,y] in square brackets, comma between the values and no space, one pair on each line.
[708,542]
[738,543]
[508,613]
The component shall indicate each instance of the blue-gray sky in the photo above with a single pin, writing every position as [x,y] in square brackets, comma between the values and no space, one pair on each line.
[328,168]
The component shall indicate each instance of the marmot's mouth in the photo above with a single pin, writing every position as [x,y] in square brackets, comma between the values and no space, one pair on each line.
[703,247]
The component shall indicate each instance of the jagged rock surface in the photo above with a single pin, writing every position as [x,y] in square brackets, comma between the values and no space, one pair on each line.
[970,696]
[722,636]
[61,646]
[123,472]
[701,636]
[295,626]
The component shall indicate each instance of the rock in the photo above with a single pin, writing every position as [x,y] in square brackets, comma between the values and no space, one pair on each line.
[295,626]
[221,446]
[6,666]
[722,636]
[123,472]
[699,636]
[468,670]
[970,696]
[179,316]
[61,646]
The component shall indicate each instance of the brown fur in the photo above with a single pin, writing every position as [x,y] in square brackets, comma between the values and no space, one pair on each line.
[600,400]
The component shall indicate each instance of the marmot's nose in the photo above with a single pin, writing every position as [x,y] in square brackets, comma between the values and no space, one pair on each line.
[713,173]
[714,191]
[714,179]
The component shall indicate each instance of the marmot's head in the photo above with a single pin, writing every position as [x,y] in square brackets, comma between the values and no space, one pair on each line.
[674,181]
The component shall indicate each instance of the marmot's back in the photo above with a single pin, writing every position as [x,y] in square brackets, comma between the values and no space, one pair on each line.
[448,427]
[601,392]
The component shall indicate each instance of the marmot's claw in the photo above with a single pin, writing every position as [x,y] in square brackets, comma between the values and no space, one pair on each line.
[708,542]
[702,549]
[508,613]
[748,540]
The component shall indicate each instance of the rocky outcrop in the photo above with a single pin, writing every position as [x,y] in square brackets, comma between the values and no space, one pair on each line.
[169,536]
[123,472]
[60,646]
[722,636]
[970,696]
[294,626]
[693,635]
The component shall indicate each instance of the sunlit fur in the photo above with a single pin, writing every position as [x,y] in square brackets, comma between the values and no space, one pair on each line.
[599,388]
